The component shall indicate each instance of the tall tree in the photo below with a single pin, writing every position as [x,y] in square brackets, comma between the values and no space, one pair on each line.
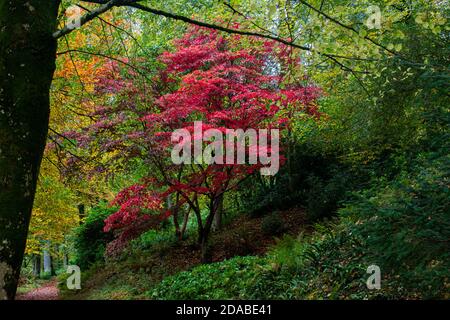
[27,63]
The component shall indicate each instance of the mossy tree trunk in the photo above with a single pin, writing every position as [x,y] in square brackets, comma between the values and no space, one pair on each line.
[27,63]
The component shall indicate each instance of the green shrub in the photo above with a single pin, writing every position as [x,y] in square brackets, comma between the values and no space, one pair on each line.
[90,240]
[406,226]
[272,224]
[324,196]
[223,280]
[287,253]
[46,275]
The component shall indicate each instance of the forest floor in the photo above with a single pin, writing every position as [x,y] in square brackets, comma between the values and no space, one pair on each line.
[134,275]
[48,291]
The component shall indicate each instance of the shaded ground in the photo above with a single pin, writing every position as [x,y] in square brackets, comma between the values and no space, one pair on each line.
[243,236]
[48,291]
[132,276]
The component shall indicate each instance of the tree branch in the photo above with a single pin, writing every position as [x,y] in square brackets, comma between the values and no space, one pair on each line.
[105,6]
[62,136]
[345,26]
[104,56]
[215,26]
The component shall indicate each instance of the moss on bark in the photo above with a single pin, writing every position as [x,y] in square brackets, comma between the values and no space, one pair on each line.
[27,63]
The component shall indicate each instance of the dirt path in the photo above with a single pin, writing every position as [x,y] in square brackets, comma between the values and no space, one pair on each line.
[49,291]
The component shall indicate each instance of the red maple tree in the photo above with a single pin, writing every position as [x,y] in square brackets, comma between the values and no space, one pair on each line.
[223,83]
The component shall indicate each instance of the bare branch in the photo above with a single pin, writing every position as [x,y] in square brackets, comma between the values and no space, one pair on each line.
[106,5]
[107,57]
[215,26]
[92,15]
[116,27]
[235,11]
[62,136]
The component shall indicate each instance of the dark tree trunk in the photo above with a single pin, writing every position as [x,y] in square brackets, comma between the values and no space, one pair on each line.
[53,266]
[37,265]
[27,63]
[217,222]
[203,233]
[206,254]
[65,260]
[185,222]
[81,213]
[205,249]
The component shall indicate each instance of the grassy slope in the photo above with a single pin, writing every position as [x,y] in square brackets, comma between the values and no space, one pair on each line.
[137,273]
[401,225]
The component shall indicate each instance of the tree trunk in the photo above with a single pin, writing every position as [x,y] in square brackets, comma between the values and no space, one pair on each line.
[175,212]
[37,265]
[53,266]
[47,262]
[217,222]
[65,257]
[205,250]
[81,213]
[202,241]
[27,63]
[206,254]
[185,222]
[65,260]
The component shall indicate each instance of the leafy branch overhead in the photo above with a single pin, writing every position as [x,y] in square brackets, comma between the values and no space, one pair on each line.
[267,34]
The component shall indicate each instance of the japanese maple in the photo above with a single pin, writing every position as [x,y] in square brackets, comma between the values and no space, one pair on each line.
[218,80]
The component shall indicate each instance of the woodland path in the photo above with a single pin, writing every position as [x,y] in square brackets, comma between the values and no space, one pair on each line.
[48,291]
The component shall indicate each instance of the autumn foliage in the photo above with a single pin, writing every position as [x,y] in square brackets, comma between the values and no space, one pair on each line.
[224,81]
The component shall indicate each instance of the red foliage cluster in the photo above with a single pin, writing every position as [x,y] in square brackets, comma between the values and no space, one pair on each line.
[226,86]
[215,79]
[131,202]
